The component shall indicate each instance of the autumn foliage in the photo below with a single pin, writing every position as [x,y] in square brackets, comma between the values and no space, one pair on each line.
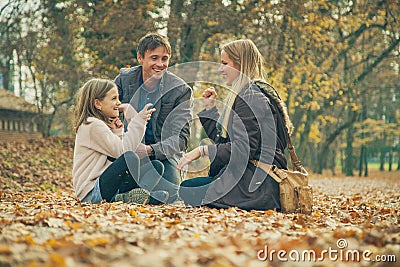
[335,63]
[43,224]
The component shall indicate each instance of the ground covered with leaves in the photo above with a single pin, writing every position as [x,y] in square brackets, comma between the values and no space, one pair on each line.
[355,222]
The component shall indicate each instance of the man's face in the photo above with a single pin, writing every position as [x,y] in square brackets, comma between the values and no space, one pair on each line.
[154,63]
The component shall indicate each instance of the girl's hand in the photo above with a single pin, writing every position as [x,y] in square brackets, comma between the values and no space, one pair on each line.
[209,95]
[128,110]
[116,123]
[145,113]
[189,157]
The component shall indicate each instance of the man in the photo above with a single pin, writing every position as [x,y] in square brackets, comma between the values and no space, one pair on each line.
[167,132]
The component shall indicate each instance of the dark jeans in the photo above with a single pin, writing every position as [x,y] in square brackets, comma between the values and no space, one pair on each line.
[121,177]
[193,191]
[170,180]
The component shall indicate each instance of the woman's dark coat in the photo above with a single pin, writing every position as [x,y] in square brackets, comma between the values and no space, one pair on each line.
[256,131]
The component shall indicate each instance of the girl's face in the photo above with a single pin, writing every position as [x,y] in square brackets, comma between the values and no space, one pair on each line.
[109,106]
[229,69]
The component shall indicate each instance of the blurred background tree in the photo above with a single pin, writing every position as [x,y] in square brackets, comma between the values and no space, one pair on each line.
[335,63]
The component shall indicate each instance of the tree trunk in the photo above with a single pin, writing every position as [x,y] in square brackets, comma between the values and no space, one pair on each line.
[382,165]
[349,152]
[361,163]
[192,34]
[174,30]
[390,159]
[322,155]
[363,152]
[342,160]
[22,92]
[332,164]
[302,147]
[7,69]
[398,158]
[321,163]
[366,162]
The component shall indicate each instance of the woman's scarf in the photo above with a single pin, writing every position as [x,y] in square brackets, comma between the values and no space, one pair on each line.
[272,94]
[237,87]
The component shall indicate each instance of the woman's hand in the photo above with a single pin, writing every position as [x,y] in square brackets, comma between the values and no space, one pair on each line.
[189,157]
[145,113]
[209,95]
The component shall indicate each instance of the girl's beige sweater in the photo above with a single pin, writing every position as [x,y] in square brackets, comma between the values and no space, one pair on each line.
[94,142]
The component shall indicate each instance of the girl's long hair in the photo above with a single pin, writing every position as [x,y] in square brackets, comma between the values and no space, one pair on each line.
[95,88]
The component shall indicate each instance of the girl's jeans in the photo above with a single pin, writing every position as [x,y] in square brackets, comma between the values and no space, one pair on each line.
[121,177]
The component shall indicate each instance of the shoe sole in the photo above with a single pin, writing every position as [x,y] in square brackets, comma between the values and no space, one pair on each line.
[136,195]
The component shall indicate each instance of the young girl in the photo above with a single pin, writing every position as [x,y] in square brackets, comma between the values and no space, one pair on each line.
[105,166]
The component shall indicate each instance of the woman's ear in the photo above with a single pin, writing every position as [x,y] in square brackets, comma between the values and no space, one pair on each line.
[97,104]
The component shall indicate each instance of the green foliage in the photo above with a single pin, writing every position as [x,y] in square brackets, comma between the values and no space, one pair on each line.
[48,187]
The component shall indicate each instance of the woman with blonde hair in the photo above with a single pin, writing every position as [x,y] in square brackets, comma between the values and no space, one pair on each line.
[253,126]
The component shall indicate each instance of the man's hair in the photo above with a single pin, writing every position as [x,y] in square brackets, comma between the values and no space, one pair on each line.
[151,41]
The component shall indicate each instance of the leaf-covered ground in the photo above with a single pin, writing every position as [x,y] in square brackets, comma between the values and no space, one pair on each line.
[355,222]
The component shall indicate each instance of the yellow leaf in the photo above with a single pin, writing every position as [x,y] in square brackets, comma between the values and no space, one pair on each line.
[133,213]
[4,249]
[171,223]
[97,241]
[57,260]
[72,225]
[144,210]
[30,240]
[317,214]
[51,242]
[269,212]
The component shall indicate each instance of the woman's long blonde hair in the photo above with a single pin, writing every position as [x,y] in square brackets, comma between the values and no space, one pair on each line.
[95,88]
[246,56]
